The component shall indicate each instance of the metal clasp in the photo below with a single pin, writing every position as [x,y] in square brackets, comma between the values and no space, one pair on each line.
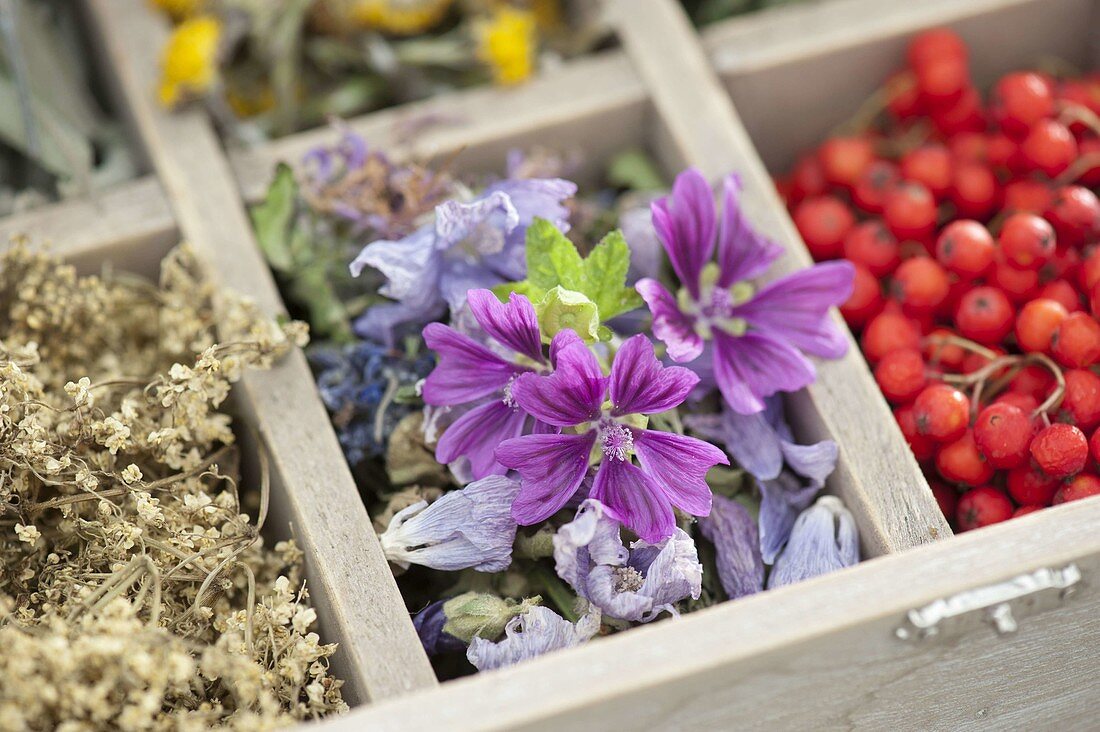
[994,599]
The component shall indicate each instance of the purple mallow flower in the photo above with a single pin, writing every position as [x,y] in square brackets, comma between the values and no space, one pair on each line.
[824,539]
[470,373]
[759,336]
[469,245]
[610,432]
[636,584]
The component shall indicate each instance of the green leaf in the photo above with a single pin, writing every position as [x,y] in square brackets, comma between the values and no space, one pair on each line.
[562,309]
[552,259]
[272,219]
[605,272]
[636,171]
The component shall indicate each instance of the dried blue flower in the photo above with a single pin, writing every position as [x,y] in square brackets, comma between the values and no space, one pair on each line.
[636,585]
[475,244]
[537,631]
[736,541]
[429,624]
[468,528]
[824,539]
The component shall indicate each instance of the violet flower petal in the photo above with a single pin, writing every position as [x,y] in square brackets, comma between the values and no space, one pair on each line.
[468,528]
[476,435]
[824,539]
[551,468]
[782,500]
[743,252]
[482,223]
[379,322]
[749,438]
[634,498]
[757,365]
[591,538]
[673,575]
[645,248]
[466,370]
[736,541]
[572,394]
[429,624]
[411,265]
[537,631]
[514,324]
[458,276]
[685,223]
[641,385]
[675,329]
[815,462]
[679,465]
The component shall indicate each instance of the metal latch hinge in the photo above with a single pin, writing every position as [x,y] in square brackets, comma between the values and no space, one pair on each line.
[993,601]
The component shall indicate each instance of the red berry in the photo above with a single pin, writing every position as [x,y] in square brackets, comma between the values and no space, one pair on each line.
[1081,401]
[1019,100]
[843,159]
[900,375]
[964,113]
[966,248]
[1036,324]
[1033,380]
[903,96]
[889,331]
[930,45]
[923,447]
[1049,147]
[1060,449]
[929,165]
[876,180]
[1062,291]
[1024,402]
[1001,150]
[866,300]
[947,496]
[981,507]
[941,353]
[974,190]
[920,284]
[1017,284]
[909,210]
[1028,196]
[1094,445]
[942,80]
[1025,510]
[961,462]
[823,222]
[1030,486]
[969,147]
[872,245]
[1081,486]
[807,179]
[1075,216]
[1026,240]
[942,412]
[984,315]
[1003,433]
[1076,343]
[1088,148]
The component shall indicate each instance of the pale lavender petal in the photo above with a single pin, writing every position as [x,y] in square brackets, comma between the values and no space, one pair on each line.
[824,539]
[482,224]
[674,574]
[641,385]
[458,276]
[757,365]
[679,465]
[782,500]
[572,394]
[749,438]
[466,370]
[815,462]
[538,198]
[608,589]
[645,248]
[591,538]
[468,528]
[551,468]
[514,324]
[795,308]
[634,498]
[379,322]
[537,631]
[675,329]
[736,541]
[743,252]
[411,265]
[685,223]
[477,433]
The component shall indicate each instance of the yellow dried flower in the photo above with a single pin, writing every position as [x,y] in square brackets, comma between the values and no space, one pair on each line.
[179,10]
[399,17]
[189,64]
[507,44]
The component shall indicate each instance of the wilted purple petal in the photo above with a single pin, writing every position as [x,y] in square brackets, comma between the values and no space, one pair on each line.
[537,631]
[378,322]
[429,624]
[538,198]
[679,464]
[783,499]
[477,433]
[458,276]
[675,329]
[685,223]
[634,498]
[482,224]
[749,438]
[514,324]
[815,462]
[756,365]
[641,385]
[737,547]
[824,539]
[743,252]
[551,468]
[466,371]
[411,265]
[468,528]
[645,248]
[591,538]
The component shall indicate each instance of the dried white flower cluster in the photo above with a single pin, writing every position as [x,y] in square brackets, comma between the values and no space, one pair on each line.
[135,589]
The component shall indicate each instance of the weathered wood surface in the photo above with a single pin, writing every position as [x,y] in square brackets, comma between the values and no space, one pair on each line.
[876,474]
[356,596]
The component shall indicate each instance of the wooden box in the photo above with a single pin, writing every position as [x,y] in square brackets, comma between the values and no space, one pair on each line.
[931,632]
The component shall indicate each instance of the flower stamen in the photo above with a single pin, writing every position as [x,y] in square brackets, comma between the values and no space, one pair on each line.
[617,441]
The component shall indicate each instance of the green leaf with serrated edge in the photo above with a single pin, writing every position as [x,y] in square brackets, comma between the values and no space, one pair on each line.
[272,217]
[520,288]
[552,259]
[562,309]
[605,271]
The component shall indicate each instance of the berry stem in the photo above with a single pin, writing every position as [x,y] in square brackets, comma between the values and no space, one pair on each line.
[1079,167]
[1069,112]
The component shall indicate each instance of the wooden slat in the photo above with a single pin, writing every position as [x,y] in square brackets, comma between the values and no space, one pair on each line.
[876,475]
[356,595]
[819,655]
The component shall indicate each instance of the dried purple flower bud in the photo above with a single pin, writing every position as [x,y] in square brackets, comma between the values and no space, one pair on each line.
[429,624]
[824,539]
[537,631]
[736,541]
[472,527]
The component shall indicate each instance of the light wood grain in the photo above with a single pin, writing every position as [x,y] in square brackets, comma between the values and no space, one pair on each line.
[357,598]
[876,474]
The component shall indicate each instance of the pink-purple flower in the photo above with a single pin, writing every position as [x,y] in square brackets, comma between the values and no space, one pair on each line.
[602,421]
[759,337]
